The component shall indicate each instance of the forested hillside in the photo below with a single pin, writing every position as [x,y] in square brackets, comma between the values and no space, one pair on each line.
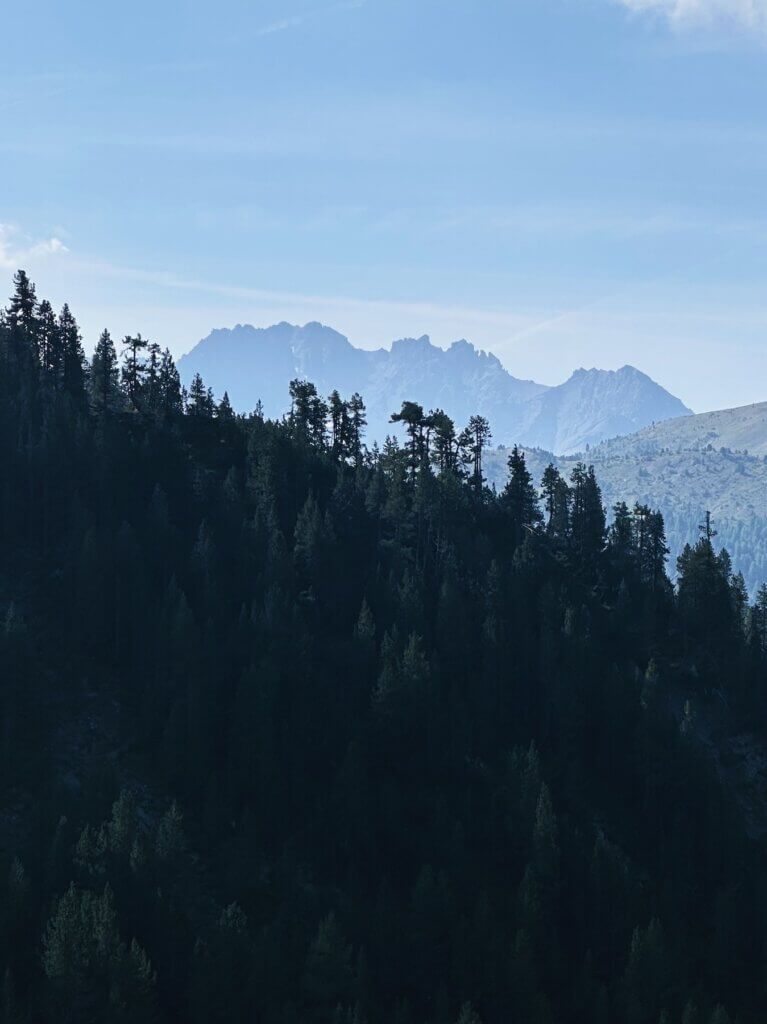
[297,731]
[715,461]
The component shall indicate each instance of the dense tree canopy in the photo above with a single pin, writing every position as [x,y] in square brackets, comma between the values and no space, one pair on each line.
[295,731]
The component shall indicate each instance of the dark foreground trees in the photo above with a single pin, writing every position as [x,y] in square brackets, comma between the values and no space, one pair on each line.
[295,731]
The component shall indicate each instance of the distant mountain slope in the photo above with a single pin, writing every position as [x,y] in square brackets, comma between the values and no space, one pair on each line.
[743,429]
[255,364]
[715,461]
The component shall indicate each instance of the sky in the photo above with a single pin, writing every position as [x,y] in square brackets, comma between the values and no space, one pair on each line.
[565,183]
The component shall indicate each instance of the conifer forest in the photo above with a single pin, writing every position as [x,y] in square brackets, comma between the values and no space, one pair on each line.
[299,729]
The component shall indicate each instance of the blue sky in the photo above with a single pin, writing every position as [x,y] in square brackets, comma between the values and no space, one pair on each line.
[564,182]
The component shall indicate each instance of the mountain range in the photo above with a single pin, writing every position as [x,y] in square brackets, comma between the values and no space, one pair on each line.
[644,443]
[256,364]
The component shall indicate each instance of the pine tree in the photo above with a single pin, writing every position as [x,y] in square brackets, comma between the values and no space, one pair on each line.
[338,424]
[648,974]
[23,319]
[81,946]
[134,367]
[364,630]
[224,412]
[719,1015]
[308,413]
[520,499]
[740,609]
[152,379]
[412,415]
[133,997]
[588,517]
[105,375]
[328,976]
[169,385]
[656,553]
[200,403]
[121,828]
[556,497]
[170,840]
[704,597]
[444,448]
[541,886]
[468,1015]
[356,424]
[308,539]
[90,852]
[690,1014]
[49,345]
[481,435]
[621,534]
[73,357]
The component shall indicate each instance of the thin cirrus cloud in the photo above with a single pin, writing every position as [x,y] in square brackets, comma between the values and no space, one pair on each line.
[295,21]
[746,14]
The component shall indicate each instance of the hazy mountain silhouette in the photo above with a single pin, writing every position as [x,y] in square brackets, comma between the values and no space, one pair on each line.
[254,364]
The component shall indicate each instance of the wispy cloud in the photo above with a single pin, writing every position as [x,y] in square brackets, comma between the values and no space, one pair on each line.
[745,14]
[165,280]
[553,322]
[296,20]
[48,247]
[598,219]
[284,23]
[178,310]
[16,249]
